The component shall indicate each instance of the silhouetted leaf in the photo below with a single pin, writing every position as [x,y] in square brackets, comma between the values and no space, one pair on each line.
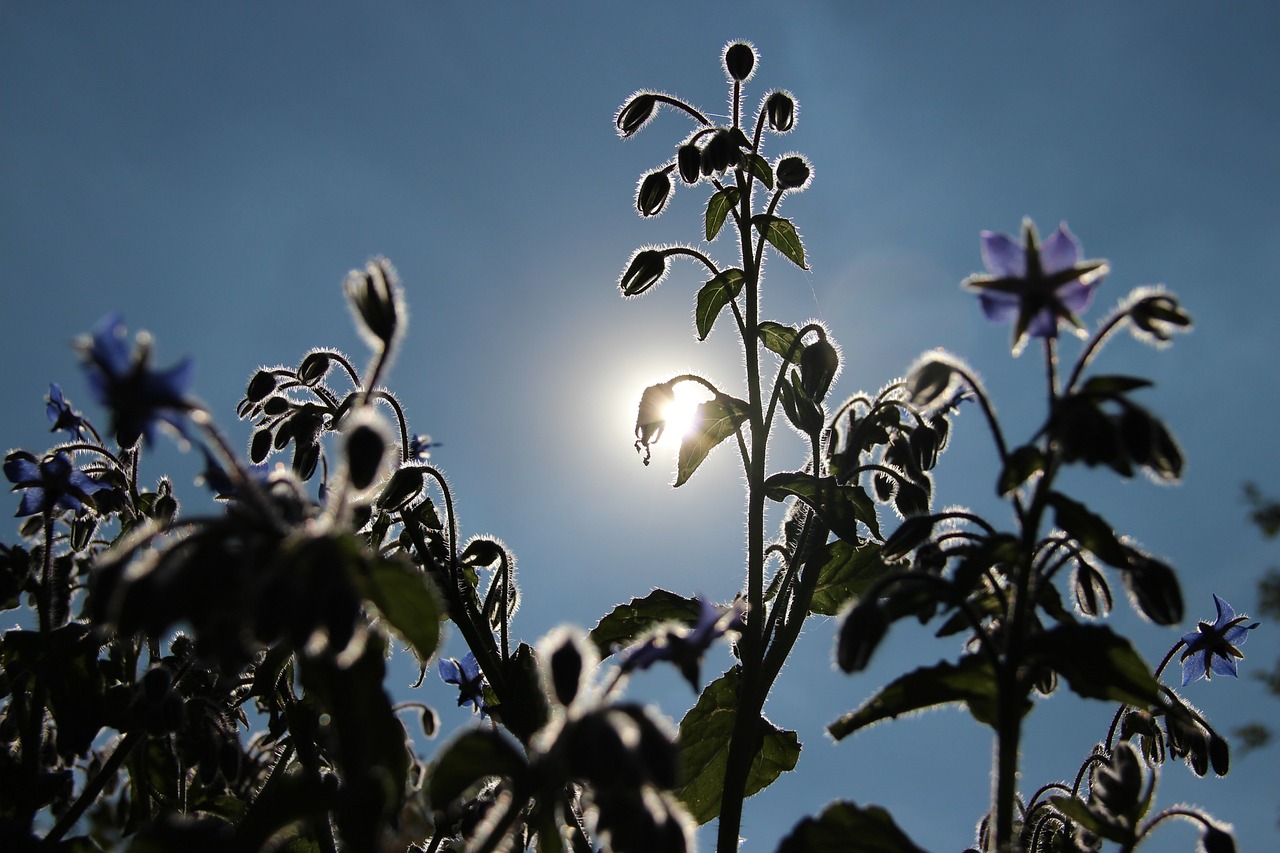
[704,749]
[972,681]
[841,507]
[712,298]
[715,421]
[408,601]
[1097,663]
[627,622]
[1024,462]
[718,207]
[782,235]
[471,757]
[845,572]
[845,827]
[1111,385]
[780,339]
[758,166]
[1089,529]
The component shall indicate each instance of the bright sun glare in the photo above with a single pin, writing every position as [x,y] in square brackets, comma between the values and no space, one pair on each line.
[680,414]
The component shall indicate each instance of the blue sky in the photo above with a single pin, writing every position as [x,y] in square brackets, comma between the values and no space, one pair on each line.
[213,170]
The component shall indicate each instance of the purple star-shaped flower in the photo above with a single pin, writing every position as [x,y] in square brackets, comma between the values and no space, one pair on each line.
[1035,284]
[138,397]
[467,676]
[1213,648]
[61,415]
[51,484]
[683,645]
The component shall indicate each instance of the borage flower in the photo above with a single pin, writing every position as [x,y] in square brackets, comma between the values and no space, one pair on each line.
[1213,648]
[1035,284]
[61,415]
[683,645]
[124,382]
[51,484]
[469,679]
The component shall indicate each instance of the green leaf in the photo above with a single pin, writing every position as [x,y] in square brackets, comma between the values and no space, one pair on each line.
[1097,663]
[408,600]
[704,749]
[1024,462]
[718,207]
[971,681]
[780,339]
[759,167]
[845,827]
[841,507]
[715,421]
[1111,385]
[1089,529]
[782,235]
[627,622]
[712,298]
[471,757]
[845,573]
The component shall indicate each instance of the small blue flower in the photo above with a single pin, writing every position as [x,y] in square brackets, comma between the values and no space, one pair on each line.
[61,415]
[1035,284]
[684,646]
[1213,648]
[420,447]
[124,382]
[467,676]
[52,484]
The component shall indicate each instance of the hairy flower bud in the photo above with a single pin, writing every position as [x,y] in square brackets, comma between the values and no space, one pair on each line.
[1154,588]
[314,368]
[262,384]
[1158,315]
[635,114]
[739,61]
[1217,840]
[780,109]
[819,363]
[860,633]
[375,298]
[365,448]
[689,162]
[720,153]
[405,485]
[1117,784]
[651,416]
[646,269]
[793,173]
[654,191]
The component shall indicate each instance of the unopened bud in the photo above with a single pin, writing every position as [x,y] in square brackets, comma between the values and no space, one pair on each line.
[405,485]
[654,191]
[365,446]
[374,294]
[262,384]
[793,173]
[780,108]
[739,61]
[1159,315]
[819,363]
[635,114]
[646,269]
[689,162]
[314,368]
[860,633]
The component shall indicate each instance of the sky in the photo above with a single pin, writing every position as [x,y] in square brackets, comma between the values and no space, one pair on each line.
[212,171]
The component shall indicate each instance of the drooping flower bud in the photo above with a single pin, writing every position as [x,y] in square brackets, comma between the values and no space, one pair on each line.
[689,162]
[819,363]
[739,60]
[780,109]
[1217,840]
[647,267]
[1153,586]
[651,418]
[365,448]
[635,114]
[375,298]
[860,633]
[654,191]
[793,173]
[405,485]
[1158,315]
[720,153]
[314,367]
[262,384]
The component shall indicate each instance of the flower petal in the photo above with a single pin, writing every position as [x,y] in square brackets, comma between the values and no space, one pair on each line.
[22,468]
[1043,325]
[1061,251]
[1003,255]
[1076,295]
[450,673]
[1237,634]
[1193,668]
[999,307]
[1223,665]
[1225,612]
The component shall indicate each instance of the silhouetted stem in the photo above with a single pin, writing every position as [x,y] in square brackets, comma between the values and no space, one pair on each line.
[93,787]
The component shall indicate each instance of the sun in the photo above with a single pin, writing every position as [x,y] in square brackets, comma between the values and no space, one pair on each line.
[682,413]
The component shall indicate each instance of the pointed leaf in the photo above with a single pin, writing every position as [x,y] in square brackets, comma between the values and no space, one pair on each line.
[716,420]
[712,298]
[718,207]
[1024,462]
[1097,663]
[474,755]
[408,600]
[841,507]
[704,749]
[971,681]
[780,339]
[758,166]
[1111,385]
[782,235]
[1089,529]
[627,622]
[845,827]
[845,572]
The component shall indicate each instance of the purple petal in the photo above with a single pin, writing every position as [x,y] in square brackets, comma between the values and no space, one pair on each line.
[999,307]
[1076,295]
[80,480]
[170,386]
[1193,668]
[1061,251]
[1225,612]
[110,350]
[1224,665]
[1236,635]
[1003,255]
[1192,638]
[1043,325]
[449,671]
[32,502]
[470,667]
[22,469]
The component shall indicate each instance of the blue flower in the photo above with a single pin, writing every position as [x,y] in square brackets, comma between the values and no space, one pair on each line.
[1035,284]
[420,447]
[1213,648]
[467,676]
[52,484]
[684,646]
[124,382]
[61,415]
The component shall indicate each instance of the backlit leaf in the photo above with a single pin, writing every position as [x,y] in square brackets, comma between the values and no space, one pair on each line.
[715,421]
[712,298]
[845,573]
[782,235]
[845,827]
[780,339]
[627,622]
[718,207]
